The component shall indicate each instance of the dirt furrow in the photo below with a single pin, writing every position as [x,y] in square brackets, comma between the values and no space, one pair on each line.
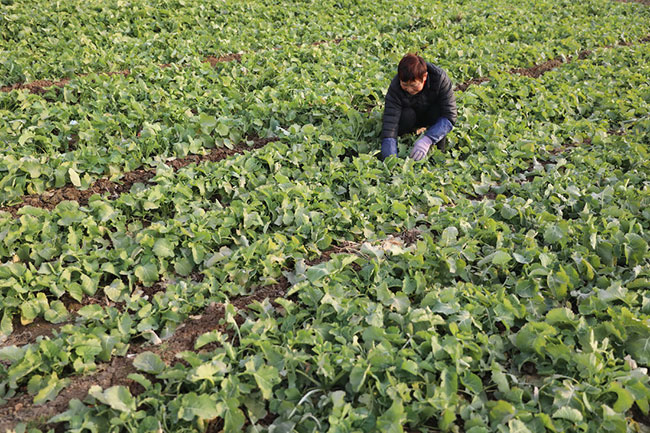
[27,334]
[115,372]
[537,70]
[42,86]
[113,189]
[21,409]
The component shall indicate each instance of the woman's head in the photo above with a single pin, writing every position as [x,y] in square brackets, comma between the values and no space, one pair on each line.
[412,73]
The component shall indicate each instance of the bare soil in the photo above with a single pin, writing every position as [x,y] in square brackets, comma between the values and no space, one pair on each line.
[39,86]
[537,71]
[474,81]
[220,153]
[344,247]
[51,198]
[227,58]
[26,334]
[410,236]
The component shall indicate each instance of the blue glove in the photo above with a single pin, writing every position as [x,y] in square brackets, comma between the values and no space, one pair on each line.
[388,147]
[434,134]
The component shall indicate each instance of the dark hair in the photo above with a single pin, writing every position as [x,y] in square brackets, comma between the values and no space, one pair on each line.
[411,67]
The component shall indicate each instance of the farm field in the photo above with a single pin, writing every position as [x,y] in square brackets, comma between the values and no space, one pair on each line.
[197,234]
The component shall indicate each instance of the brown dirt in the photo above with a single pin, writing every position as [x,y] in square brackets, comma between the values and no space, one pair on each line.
[21,409]
[639,416]
[220,153]
[474,81]
[344,247]
[559,150]
[39,86]
[536,71]
[51,198]
[334,41]
[491,195]
[227,58]
[410,236]
[26,334]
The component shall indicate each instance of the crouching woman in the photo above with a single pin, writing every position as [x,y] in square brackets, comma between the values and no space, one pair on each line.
[420,96]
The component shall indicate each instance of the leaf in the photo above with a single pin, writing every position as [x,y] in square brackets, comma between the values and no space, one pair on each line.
[317,272]
[516,426]
[508,212]
[449,235]
[163,248]
[147,273]
[149,363]
[117,397]
[639,348]
[553,234]
[234,418]
[207,338]
[393,419]
[501,412]
[223,129]
[6,325]
[74,177]
[410,366]
[198,406]
[569,414]
[501,258]
[635,249]
[358,377]
[266,377]
[207,122]
[472,383]
[208,371]
[51,389]
[561,316]
[183,267]
[625,398]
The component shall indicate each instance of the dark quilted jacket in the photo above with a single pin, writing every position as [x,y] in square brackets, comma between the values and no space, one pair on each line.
[437,95]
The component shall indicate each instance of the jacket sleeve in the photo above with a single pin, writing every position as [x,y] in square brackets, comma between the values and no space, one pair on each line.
[392,113]
[446,98]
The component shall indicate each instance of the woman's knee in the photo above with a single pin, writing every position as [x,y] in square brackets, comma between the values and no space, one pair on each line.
[407,121]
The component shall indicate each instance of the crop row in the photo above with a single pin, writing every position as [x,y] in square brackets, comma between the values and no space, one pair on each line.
[387,345]
[108,125]
[496,228]
[245,220]
[249,191]
[516,103]
[98,36]
[390,302]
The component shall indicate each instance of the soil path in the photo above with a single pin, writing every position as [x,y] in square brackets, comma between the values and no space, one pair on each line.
[21,409]
[51,198]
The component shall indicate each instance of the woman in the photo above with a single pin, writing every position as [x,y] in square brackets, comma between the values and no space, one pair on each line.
[421,95]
